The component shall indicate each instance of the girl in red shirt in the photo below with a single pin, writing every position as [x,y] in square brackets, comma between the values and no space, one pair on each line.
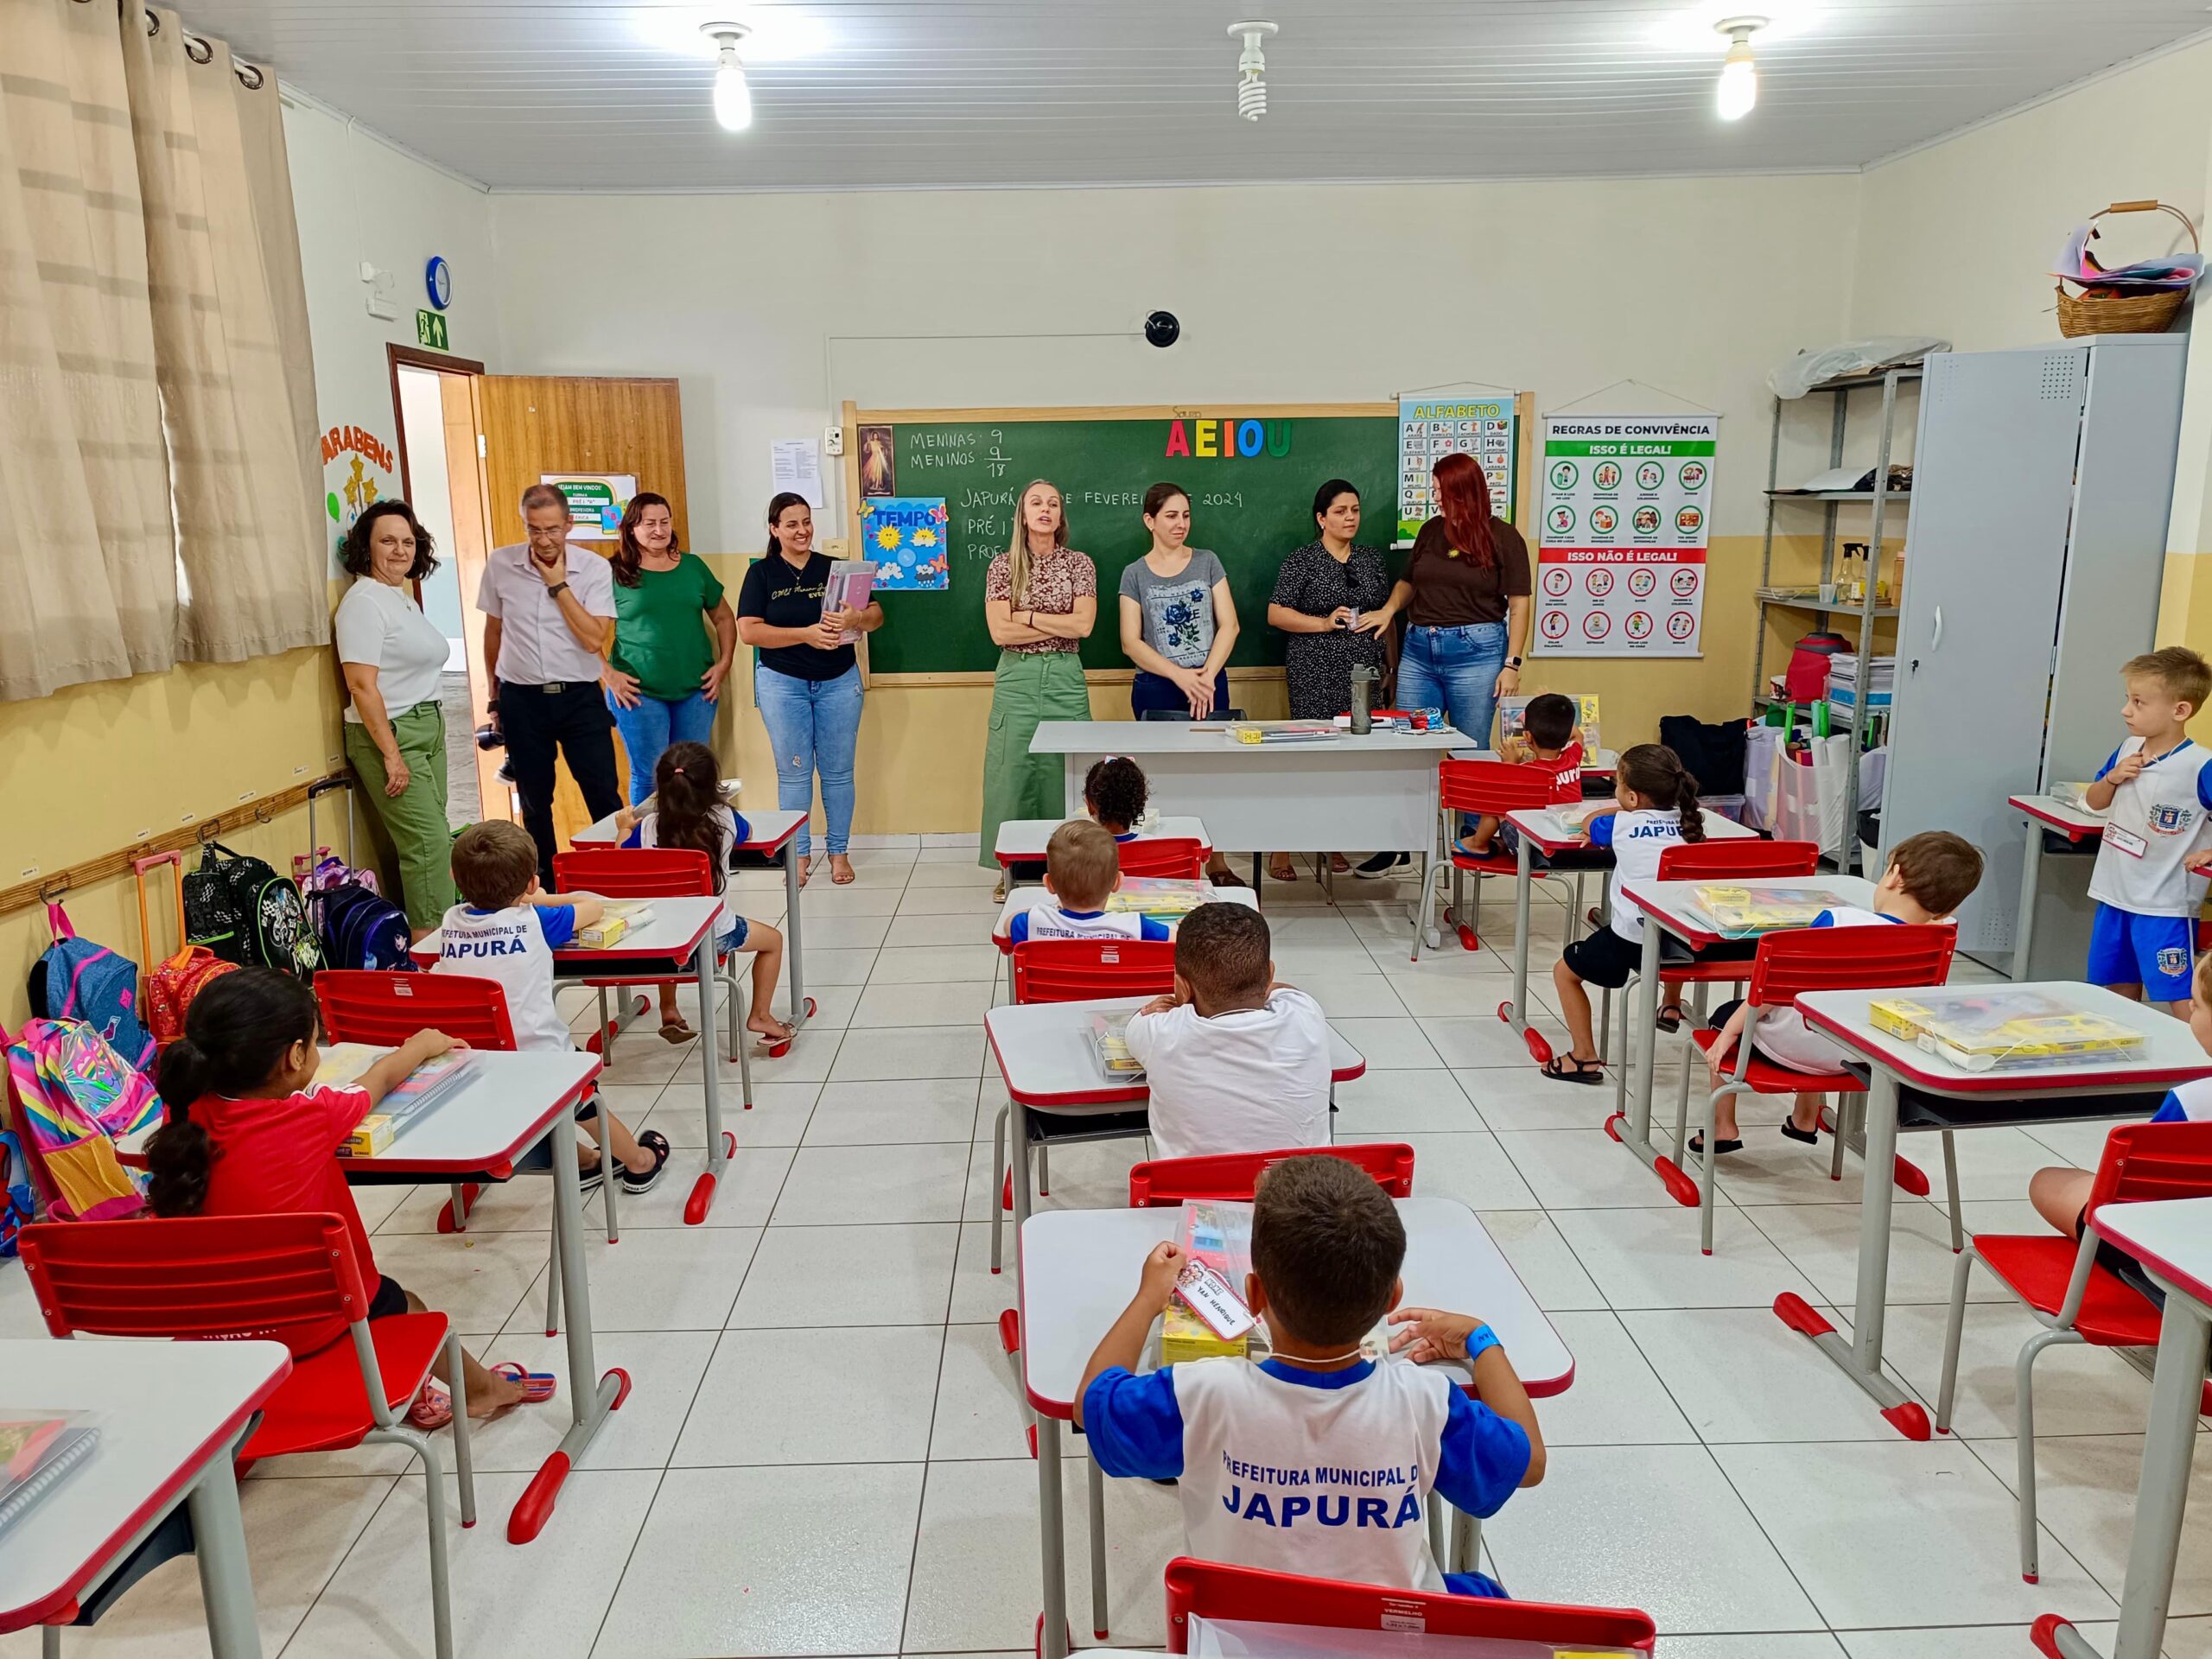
[249,1133]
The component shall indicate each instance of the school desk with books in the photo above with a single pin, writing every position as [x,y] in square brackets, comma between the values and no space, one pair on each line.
[1161,898]
[1077,1268]
[2130,1056]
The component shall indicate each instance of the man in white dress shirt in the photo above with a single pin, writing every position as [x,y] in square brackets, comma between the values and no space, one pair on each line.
[548,612]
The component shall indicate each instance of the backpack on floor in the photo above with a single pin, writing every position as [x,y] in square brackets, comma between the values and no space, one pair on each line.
[243,910]
[75,979]
[171,986]
[356,926]
[78,1097]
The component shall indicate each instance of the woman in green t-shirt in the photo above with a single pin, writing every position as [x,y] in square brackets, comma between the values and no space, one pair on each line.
[665,675]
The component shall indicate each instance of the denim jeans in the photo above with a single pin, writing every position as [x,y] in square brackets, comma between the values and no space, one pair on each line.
[649,728]
[814,725]
[1455,670]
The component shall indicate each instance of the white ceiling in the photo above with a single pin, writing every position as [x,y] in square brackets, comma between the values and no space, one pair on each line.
[583,94]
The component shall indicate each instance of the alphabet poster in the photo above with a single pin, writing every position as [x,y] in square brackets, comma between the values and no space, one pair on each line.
[1621,553]
[1433,427]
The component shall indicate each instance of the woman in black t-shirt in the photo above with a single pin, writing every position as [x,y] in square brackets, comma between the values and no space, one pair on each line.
[806,678]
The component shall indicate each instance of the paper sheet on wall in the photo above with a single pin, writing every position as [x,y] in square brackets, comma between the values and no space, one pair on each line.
[1620,559]
[796,464]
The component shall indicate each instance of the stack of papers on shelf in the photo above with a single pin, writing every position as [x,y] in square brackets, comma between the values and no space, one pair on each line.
[1169,898]
[37,1451]
[1110,1040]
[1843,680]
[1741,912]
[2009,1029]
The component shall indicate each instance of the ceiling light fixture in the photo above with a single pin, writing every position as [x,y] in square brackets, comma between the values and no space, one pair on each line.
[1740,73]
[732,97]
[1251,69]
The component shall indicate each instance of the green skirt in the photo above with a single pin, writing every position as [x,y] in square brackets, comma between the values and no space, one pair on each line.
[1031,687]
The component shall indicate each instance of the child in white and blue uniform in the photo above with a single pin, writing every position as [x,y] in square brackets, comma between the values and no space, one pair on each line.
[1082,868]
[2156,791]
[1321,1459]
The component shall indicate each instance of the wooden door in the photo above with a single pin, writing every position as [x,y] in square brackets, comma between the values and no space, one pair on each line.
[535,424]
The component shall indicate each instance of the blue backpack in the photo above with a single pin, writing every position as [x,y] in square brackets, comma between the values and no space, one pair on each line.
[75,979]
[361,929]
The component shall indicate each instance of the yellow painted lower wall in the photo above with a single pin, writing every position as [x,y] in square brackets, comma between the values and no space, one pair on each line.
[2185,618]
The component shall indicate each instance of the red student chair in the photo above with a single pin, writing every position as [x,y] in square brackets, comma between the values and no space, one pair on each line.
[1789,965]
[1165,1181]
[231,1278]
[378,1006]
[2074,1297]
[1220,1594]
[1494,788]
[1181,857]
[1076,971]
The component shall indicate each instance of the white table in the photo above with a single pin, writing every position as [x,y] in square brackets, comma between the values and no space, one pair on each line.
[775,836]
[1079,1269]
[2077,823]
[2169,1055]
[2172,1238]
[1021,841]
[1542,829]
[1376,793]
[679,934]
[1021,900]
[171,1418]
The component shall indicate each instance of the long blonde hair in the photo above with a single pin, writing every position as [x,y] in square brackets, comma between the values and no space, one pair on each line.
[1017,553]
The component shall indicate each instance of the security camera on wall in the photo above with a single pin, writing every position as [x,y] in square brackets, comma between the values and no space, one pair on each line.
[1162,329]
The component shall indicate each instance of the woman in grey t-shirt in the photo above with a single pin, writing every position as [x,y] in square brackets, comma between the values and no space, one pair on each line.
[1179,622]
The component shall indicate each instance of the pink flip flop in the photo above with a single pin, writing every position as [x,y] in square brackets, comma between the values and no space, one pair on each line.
[432,1408]
[537,1387]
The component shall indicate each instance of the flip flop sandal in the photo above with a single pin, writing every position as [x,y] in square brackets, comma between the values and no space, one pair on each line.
[1285,873]
[537,1387]
[844,880]
[432,1408]
[1810,1137]
[1669,1021]
[675,1031]
[1585,1071]
[774,1047]
[1719,1147]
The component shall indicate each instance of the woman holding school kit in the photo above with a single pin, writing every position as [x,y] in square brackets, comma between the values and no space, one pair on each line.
[1040,601]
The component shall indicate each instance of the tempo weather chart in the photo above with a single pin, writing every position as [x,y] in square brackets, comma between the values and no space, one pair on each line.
[1620,558]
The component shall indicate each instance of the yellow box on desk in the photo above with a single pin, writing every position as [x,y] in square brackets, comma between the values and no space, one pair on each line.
[371,1136]
[606,930]
[2011,1028]
[1184,1336]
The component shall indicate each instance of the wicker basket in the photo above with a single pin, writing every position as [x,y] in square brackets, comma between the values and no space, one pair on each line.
[2147,314]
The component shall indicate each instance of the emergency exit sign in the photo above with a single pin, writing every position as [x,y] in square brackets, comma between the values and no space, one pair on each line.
[430,330]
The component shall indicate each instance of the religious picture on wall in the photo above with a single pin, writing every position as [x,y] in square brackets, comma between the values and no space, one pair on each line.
[878,475]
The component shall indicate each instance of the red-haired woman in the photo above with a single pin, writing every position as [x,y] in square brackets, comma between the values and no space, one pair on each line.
[1465,595]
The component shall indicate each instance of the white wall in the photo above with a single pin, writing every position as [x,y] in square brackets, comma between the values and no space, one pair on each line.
[771,309]
[358,199]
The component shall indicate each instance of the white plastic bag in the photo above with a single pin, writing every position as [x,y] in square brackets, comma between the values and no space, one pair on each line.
[1808,371]
[1762,763]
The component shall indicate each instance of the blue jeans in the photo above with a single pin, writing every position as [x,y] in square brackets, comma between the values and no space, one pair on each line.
[649,728]
[1455,670]
[814,725]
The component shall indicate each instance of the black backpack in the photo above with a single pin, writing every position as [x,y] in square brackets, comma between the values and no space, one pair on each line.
[243,910]
[361,929]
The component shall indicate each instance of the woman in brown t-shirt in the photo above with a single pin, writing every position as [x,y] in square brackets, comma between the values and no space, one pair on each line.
[1465,594]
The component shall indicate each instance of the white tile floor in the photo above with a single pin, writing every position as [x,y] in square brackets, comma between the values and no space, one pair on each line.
[824,1452]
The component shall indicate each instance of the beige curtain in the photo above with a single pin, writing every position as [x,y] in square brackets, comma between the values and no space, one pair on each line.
[230,345]
[87,561]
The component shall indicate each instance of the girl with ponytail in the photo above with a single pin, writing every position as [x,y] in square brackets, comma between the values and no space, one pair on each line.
[1655,808]
[687,810]
[250,1133]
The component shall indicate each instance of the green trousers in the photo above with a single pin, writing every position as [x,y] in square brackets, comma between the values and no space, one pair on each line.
[1031,686]
[415,817]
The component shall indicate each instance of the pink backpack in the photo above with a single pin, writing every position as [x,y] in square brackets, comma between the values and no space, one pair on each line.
[75,1098]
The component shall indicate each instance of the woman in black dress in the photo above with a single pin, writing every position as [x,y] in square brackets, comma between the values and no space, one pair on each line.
[1328,603]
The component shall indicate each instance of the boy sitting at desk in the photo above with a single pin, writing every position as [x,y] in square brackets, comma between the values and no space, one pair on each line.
[1318,1460]
[506,928]
[1548,738]
[1083,869]
[1237,1063]
[2149,878]
[1929,876]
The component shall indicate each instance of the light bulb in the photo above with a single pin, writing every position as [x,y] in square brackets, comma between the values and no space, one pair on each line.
[732,97]
[1739,83]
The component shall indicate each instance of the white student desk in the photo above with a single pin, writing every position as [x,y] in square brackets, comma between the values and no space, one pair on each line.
[2172,1238]
[1021,841]
[2077,823]
[1542,829]
[1019,900]
[171,1416]
[1079,1269]
[678,935]
[1044,1054]
[1374,792]
[775,836]
[2169,1055]
[1672,908]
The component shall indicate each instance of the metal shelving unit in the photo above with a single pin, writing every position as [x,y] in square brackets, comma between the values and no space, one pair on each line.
[1881,500]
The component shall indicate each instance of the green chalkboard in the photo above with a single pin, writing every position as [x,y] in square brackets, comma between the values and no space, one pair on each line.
[1251,509]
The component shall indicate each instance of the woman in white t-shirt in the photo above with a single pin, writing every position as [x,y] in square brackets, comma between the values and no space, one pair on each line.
[392,655]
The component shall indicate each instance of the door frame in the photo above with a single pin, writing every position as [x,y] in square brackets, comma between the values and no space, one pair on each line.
[413,357]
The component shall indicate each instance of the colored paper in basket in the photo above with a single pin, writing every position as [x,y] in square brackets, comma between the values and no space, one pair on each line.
[909,537]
